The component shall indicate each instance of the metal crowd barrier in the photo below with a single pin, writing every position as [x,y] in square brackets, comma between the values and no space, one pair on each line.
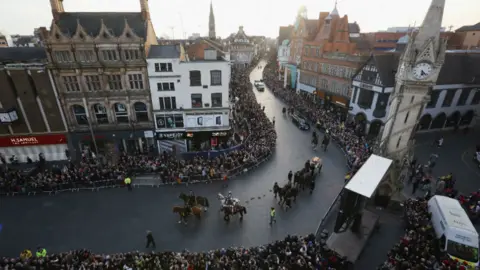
[115,183]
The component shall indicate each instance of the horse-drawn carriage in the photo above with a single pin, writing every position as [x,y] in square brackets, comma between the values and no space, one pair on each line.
[300,122]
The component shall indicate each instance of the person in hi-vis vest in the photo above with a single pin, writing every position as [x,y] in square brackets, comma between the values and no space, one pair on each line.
[128,182]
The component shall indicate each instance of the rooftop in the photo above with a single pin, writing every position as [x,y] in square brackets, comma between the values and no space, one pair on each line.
[92,22]
[164,51]
[475,27]
[22,55]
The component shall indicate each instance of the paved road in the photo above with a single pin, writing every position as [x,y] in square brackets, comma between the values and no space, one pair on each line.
[454,156]
[116,220]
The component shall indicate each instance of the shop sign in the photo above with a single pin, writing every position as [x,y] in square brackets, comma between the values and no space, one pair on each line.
[179,135]
[366,86]
[8,117]
[33,140]
[199,121]
[219,134]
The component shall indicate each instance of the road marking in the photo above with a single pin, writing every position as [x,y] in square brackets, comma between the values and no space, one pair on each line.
[468,165]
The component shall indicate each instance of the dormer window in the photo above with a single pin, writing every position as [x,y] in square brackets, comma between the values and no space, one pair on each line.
[81,36]
[109,55]
[105,35]
[57,36]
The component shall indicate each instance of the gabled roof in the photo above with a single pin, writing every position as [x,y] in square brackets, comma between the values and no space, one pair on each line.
[285,33]
[458,68]
[22,54]
[92,22]
[164,51]
[353,28]
[465,28]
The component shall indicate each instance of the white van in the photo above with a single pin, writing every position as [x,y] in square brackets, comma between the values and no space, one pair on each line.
[456,233]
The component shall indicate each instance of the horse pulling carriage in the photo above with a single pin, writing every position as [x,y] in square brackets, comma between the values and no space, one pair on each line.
[193,205]
[231,206]
[302,179]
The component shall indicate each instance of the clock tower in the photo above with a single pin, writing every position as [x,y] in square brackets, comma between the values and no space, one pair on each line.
[416,75]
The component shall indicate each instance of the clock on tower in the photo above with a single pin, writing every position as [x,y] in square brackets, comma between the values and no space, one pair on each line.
[417,73]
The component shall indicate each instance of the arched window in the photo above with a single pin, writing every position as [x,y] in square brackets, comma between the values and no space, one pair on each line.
[100,113]
[121,113]
[80,114]
[141,112]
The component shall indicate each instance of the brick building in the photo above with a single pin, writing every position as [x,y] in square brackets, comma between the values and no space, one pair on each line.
[331,57]
[98,63]
[468,37]
[32,121]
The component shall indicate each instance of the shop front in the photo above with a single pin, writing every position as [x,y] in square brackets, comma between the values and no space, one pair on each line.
[53,147]
[192,142]
[108,142]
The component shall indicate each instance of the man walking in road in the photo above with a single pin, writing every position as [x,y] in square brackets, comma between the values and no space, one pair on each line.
[150,240]
[272,216]
[128,183]
[290,174]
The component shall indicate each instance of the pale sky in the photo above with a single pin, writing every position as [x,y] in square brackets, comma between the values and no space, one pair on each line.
[259,17]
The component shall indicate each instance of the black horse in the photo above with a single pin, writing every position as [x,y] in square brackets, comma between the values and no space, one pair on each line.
[231,210]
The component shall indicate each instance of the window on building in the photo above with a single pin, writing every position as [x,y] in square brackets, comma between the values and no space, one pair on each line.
[71,84]
[215,77]
[109,55]
[447,101]
[324,84]
[462,100]
[135,81]
[80,114]
[121,113]
[355,92]
[100,113]
[167,103]
[318,52]
[169,121]
[313,81]
[217,100]
[62,56]
[141,111]
[399,140]
[305,51]
[406,118]
[315,67]
[115,82]
[93,82]
[369,76]
[166,86]
[86,56]
[132,55]
[195,78]
[476,97]
[163,67]
[365,98]
[433,99]
[197,101]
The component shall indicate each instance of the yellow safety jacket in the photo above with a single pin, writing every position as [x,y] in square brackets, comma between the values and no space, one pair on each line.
[41,253]
[128,181]
[272,213]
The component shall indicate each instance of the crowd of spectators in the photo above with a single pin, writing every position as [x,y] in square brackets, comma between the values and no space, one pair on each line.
[418,248]
[257,136]
[348,134]
[291,253]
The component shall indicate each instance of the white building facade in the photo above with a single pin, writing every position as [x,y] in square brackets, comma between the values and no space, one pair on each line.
[189,98]
[283,54]
[454,99]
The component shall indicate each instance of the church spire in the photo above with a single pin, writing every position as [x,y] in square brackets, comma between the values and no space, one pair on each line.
[431,26]
[211,23]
